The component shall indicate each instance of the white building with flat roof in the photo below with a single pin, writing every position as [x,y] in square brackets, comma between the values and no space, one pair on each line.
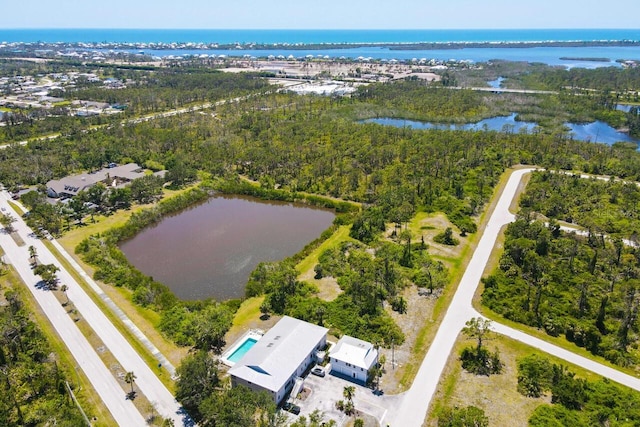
[353,358]
[282,354]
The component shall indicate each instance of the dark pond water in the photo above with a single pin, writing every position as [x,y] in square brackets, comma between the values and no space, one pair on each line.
[210,250]
[594,132]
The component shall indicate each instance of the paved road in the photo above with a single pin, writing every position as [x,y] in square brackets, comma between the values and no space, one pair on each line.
[567,355]
[415,402]
[140,336]
[109,390]
[126,355]
[146,118]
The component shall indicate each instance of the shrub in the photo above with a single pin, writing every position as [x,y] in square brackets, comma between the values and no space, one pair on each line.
[535,375]
[446,238]
[481,361]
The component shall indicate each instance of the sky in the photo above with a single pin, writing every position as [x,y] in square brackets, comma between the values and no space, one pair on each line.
[321,14]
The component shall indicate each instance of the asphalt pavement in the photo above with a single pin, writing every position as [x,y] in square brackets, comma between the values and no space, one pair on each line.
[128,358]
[123,411]
[415,402]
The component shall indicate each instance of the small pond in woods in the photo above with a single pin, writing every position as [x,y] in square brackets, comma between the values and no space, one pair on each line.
[594,132]
[211,249]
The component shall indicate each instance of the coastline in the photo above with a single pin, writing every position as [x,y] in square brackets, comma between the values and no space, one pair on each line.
[392,46]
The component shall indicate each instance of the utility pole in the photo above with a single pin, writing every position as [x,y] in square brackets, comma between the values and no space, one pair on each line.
[393,360]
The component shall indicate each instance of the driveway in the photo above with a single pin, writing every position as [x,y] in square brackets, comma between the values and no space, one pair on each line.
[325,391]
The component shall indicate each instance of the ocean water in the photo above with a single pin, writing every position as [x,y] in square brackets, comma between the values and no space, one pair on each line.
[281,41]
[310,36]
[545,55]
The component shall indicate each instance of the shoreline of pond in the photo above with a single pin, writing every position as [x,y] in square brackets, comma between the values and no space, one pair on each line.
[210,249]
[112,266]
[587,132]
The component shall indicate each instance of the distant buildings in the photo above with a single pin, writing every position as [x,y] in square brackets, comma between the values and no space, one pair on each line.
[113,175]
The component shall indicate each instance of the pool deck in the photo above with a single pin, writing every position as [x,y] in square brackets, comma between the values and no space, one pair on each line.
[256,334]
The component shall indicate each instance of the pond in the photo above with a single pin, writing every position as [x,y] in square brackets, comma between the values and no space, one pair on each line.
[497,124]
[211,249]
[593,132]
[497,83]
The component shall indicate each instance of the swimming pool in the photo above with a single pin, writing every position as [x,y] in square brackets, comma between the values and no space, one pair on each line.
[240,347]
[242,350]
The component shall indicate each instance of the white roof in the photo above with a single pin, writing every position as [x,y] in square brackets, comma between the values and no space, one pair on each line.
[276,356]
[361,354]
[76,183]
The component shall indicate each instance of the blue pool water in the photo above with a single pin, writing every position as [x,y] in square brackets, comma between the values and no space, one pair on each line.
[242,350]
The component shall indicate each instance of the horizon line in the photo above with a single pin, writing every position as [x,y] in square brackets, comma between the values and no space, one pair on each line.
[317,29]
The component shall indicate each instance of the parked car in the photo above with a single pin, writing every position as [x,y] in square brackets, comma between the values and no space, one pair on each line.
[318,371]
[290,407]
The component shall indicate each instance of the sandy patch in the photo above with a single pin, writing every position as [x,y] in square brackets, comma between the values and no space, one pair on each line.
[419,312]
[497,395]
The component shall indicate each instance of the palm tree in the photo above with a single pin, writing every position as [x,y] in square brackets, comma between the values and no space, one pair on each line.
[348,393]
[33,254]
[130,378]
[64,288]
[48,274]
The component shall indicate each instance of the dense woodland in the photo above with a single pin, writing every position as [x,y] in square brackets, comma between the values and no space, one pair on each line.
[33,390]
[614,79]
[601,206]
[584,288]
[575,401]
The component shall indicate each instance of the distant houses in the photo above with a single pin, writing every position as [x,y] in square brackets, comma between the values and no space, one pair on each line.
[113,175]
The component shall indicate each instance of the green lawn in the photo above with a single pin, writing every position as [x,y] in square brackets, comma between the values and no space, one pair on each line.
[341,235]
[247,314]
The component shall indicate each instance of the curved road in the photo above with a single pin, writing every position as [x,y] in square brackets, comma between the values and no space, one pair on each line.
[415,402]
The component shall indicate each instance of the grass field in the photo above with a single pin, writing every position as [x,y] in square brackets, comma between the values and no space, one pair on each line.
[328,288]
